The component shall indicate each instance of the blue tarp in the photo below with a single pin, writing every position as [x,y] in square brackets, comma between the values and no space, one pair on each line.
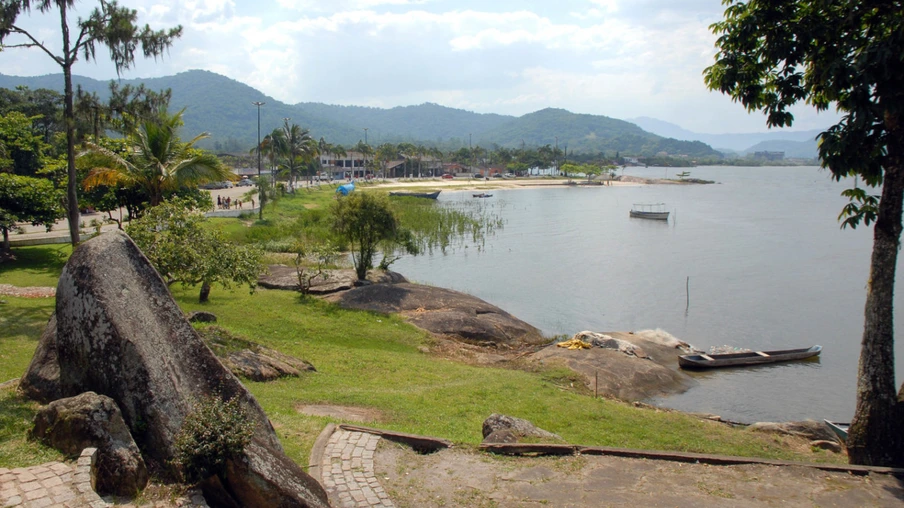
[345,189]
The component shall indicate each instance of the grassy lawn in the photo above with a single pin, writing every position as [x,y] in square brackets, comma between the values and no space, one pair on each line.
[372,361]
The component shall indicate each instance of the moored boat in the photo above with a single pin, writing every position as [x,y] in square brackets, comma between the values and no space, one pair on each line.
[483,195]
[653,211]
[840,429]
[425,195]
[704,361]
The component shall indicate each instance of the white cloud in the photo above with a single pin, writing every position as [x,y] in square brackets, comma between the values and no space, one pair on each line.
[616,58]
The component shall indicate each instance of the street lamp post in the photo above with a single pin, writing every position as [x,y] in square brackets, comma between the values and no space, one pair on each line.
[260,197]
[258,104]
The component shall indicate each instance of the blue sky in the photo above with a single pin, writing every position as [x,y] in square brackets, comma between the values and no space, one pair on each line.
[619,58]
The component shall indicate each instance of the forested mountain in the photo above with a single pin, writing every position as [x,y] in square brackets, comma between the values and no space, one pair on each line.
[589,134]
[223,107]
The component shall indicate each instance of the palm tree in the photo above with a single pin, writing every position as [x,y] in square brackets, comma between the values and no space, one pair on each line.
[298,150]
[157,161]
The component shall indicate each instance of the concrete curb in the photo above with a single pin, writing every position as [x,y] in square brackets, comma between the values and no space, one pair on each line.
[421,444]
[701,458]
[316,457]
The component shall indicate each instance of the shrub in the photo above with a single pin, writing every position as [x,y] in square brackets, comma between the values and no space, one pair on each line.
[215,431]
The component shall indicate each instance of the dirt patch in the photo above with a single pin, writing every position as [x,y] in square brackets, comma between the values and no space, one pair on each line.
[27,292]
[465,477]
[344,413]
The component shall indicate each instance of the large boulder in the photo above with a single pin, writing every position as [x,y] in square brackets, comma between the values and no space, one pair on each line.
[41,380]
[444,312]
[90,420]
[121,334]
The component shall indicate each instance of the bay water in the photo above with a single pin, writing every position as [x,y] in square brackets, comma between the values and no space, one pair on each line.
[756,261]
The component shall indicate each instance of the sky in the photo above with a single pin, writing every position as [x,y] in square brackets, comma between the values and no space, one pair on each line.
[619,58]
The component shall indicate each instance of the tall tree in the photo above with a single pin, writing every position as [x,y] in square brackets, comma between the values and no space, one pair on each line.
[108,25]
[26,199]
[298,149]
[157,162]
[773,54]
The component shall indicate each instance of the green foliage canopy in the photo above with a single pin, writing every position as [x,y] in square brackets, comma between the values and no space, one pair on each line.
[27,199]
[173,237]
[364,220]
[773,54]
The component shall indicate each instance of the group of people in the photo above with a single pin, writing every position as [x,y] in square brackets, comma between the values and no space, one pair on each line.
[227,203]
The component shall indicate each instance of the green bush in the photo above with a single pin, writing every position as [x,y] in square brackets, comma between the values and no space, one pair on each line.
[215,431]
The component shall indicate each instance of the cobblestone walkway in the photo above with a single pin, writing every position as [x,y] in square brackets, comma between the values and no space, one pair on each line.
[347,471]
[52,484]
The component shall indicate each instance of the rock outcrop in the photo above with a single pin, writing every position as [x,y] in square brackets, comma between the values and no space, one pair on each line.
[333,281]
[121,334]
[508,429]
[90,420]
[250,360]
[444,312]
[810,430]
[41,381]
[636,366]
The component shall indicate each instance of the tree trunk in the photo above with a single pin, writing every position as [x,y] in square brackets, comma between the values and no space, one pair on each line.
[875,434]
[205,293]
[5,240]
[72,213]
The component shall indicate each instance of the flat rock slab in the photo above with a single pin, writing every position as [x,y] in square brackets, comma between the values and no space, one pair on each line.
[444,312]
[286,278]
[620,375]
[462,477]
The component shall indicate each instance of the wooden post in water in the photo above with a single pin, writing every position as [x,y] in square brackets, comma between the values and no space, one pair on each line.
[687,293]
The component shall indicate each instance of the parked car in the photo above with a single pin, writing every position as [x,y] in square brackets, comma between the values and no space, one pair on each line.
[448,176]
[245,182]
[497,175]
[214,185]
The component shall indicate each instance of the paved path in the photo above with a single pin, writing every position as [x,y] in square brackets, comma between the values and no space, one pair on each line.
[69,486]
[52,484]
[347,470]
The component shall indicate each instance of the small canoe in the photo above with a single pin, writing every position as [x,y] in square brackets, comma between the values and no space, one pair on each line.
[483,195]
[702,361]
[840,429]
[425,195]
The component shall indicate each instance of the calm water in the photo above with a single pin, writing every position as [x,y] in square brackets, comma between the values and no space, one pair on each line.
[768,268]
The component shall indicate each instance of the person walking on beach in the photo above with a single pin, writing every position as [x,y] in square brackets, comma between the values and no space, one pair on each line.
[219,201]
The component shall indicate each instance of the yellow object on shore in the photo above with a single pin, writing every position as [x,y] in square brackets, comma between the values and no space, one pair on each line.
[574,344]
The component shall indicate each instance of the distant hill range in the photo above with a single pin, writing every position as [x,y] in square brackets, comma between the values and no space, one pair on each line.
[795,144]
[222,107]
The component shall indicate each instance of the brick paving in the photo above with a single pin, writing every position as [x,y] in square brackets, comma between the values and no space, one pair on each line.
[52,484]
[347,471]
[68,486]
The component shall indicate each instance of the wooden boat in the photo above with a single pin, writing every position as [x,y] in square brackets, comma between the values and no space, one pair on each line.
[653,211]
[483,195]
[840,429]
[425,195]
[703,361]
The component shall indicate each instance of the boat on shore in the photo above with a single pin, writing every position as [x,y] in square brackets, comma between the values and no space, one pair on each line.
[425,195]
[483,195]
[651,211]
[840,429]
[704,361]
